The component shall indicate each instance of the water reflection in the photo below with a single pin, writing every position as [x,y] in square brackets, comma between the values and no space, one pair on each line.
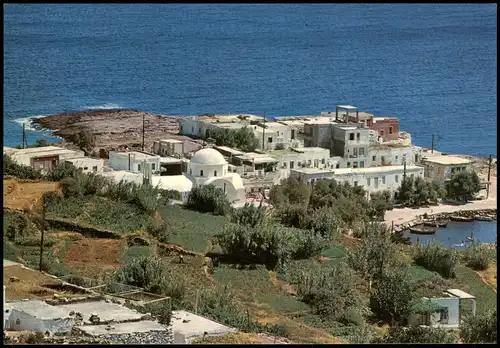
[456,234]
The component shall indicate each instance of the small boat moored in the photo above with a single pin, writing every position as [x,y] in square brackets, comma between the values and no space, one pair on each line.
[436,223]
[423,230]
[461,218]
[483,218]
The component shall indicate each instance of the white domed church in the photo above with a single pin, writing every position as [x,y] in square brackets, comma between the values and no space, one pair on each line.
[206,167]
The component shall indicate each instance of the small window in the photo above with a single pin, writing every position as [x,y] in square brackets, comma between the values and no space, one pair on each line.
[382,159]
[192,129]
[139,167]
[351,136]
[201,172]
[374,158]
[94,168]
[355,164]
[153,166]
[355,183]
[361,164]
[390,130]
[215,173]
[396,158]
[348,164]
[361,151]
[337,166]
[278,133]
[396,178]
[368,181]
[291,164]
[85,168]
[323,161]
[18,321]
[383,180]
[309,162]
[358,136]
[270,140]
[190,172]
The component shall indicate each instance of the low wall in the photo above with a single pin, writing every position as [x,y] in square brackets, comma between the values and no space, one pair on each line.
[88,231]
[445,216]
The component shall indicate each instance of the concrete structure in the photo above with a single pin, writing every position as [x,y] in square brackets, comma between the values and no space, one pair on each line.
[444,166]
[42,158]
[124,176]
[87,164]
[37,316]
[179,183]
[197,126]
[275,135]
[386,127]
[393,154]
[371,179]
[305,157]
[134,161]
[168,147]
[351,143]
[449,316]
[188,326]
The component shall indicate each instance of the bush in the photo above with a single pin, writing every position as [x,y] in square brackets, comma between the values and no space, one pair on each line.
[291,191]
[243,138]
[352,317]
[17,226]
[477,257]
[61,171]
[70,188]
[208,199]
[436,258]
[249,215]
[158,229]
[153,275]
[11,168]
[417,335]
[379,203]
[331,293]
[481,328]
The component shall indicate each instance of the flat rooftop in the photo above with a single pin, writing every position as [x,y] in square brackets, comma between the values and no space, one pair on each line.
[191,325]
[171,141]
[460,294]
[135,154]
[39,309]
[370,170]
[86,159]
[446,160]
[106,311]
[123,328]
[310,149]
[170,160]
[229,150]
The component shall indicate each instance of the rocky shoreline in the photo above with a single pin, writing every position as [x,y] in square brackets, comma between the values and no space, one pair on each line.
[482,215]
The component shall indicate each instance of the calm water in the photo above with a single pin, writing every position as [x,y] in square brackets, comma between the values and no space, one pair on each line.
[457,232]
[433,66]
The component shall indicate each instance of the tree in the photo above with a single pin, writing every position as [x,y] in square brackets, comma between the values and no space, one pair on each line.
[209,199]
[478,257]
[85,140]
[250,215]
[463,185]
[243,138]
[379,203]
[481,328]
[417,335]
[291,191]
[10,167]
[392,299]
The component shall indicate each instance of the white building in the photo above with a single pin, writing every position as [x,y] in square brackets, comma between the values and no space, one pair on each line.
[450,314]
[444,166]
[305,157]
[372,180]
[168,147]
[42,158]
[134,161]
[124,176]
[38,316]
[87,164]
[393,155]
[206,167]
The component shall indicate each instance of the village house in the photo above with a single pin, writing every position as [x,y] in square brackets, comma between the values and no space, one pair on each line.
[449,315]
[134,161]
[374,179]
[42,158]
[168,147]
[386,127]
[442,167]
[393,154]
[87,164]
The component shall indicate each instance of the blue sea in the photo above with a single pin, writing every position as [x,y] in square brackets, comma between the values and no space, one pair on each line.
[432,66]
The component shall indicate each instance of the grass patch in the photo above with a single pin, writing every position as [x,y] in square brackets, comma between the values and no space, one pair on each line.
[254,285]
[191,229]
[469,281]
[136,251]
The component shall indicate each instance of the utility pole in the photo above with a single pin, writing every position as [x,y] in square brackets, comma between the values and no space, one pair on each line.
[489,175]
[143,133]
[432,146]
[263,132]
[41,251]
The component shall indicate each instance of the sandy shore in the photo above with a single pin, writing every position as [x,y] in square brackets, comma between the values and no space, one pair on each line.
[114,129]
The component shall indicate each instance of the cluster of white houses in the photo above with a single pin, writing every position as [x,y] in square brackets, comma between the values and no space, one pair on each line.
[345,145]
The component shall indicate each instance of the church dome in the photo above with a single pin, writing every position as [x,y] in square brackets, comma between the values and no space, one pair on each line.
[208,156]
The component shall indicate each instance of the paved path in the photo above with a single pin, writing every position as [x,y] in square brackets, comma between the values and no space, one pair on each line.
[401,216]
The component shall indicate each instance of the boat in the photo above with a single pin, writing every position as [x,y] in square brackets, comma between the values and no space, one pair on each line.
[470,239]
[422,230]
[436,223]
[483,218]
[461,245]
[461,218]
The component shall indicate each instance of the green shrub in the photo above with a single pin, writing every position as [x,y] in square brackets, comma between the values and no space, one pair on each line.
[417,335]
[481,328]
[435,257]
[61,171]
[351,317]
[208,199]
[249,215]
[11,168]
[477,257]
[70,187]
[17,225]
[159,230]
[463,185]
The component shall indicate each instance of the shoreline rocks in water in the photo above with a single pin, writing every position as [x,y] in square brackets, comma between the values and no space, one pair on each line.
[114,129]
[468,215]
